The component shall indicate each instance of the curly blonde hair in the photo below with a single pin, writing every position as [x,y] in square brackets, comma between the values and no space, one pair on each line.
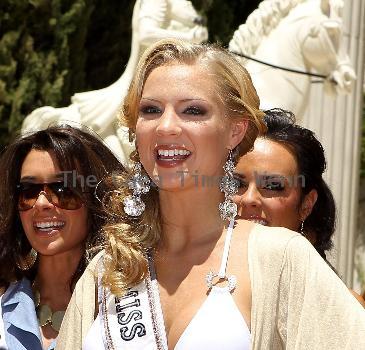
[128,238]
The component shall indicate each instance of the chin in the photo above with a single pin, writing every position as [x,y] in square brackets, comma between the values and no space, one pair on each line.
[169,181]
[173,186]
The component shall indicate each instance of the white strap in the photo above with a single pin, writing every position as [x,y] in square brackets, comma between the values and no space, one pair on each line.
[227,244]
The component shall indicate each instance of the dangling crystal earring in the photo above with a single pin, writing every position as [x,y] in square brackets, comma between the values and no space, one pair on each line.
[228,211]
[28,261]
[229,186]
[139,184]
[302,228]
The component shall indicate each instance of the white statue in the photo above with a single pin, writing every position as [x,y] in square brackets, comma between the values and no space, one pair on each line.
[299,34]
[152,20]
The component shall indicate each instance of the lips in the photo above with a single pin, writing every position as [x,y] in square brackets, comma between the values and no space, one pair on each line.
[170,155]
[48,226]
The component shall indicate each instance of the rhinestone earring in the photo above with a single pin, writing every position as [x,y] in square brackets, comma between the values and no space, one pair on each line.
[139,184]
[302,228]
[229,186]
[25,263]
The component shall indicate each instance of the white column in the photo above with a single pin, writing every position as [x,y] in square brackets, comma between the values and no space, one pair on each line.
[337,123]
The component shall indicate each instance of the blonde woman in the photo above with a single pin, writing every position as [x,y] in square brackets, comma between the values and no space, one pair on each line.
[178,271]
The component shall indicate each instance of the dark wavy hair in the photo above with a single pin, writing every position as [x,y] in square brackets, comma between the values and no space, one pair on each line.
[75,150]
[310,157]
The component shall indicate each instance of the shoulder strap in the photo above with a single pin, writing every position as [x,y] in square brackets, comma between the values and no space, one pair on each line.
[227,244]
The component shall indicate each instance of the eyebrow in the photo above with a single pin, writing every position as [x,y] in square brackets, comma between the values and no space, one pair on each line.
[272,177]
[149,99]
[241,176]
[184,100]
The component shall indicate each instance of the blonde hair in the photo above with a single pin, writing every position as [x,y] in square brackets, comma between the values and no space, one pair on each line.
[128,238]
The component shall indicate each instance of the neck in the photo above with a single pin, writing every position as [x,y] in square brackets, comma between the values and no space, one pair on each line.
[54,277]
[190,218]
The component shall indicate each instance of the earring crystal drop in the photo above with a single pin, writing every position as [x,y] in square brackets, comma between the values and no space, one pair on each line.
[302,228]
[139,184]
[229,186]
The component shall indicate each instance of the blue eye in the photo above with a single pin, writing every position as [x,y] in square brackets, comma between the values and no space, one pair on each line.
[194,110]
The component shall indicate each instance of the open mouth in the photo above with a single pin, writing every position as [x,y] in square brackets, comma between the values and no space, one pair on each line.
[168,157]
[47,226]
[172,154]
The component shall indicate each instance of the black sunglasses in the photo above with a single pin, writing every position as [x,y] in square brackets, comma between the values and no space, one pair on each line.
[56,192]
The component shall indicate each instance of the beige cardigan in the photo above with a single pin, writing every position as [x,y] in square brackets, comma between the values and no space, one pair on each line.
[298,302]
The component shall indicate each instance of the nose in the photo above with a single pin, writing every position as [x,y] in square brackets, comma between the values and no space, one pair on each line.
[250,197]
[43,202]
[168,123]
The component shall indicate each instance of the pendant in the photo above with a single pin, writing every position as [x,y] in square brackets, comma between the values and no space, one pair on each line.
[56,320]
[232,280]
[44,314]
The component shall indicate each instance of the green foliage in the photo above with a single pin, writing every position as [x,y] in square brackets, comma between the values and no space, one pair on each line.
[108,42]
[224,16]
[36,67]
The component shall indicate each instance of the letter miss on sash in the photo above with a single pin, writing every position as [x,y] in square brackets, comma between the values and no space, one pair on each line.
[128,312]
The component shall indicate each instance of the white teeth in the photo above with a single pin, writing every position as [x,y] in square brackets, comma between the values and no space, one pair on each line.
[49,224]
[173,152]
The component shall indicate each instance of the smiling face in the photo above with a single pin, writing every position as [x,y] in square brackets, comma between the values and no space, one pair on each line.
[182,133]
[50,229]
[270,191]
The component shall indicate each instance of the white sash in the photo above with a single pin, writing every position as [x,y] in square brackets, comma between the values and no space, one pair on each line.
[135,321]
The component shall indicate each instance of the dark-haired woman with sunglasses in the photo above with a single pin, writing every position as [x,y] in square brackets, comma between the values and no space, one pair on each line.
[49,217]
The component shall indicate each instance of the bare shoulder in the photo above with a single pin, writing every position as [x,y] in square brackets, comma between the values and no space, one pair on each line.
[269,241]
[243,229]
[277,236]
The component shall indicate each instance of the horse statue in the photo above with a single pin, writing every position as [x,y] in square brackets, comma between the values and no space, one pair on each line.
[152,20]
[284,41]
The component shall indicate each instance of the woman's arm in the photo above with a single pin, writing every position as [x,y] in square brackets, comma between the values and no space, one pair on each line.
[316,310]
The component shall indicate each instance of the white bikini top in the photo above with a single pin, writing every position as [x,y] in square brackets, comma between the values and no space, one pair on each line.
[218,324]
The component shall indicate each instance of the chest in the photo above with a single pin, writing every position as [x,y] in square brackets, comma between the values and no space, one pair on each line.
[190,307]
